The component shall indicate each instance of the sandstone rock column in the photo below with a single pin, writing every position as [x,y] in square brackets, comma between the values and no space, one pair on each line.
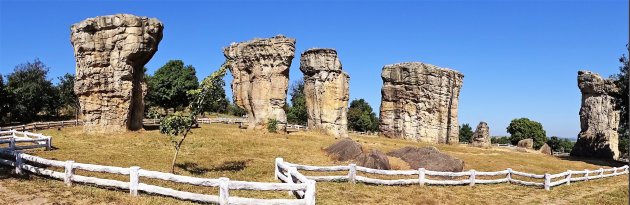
[110,53]
[599,117]
[481,137]
[419,102]
[326,91]
[260,68]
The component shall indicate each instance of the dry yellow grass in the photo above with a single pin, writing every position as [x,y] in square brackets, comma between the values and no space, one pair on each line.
[220,150]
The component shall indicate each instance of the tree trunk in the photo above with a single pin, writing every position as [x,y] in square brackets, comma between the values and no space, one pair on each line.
[174,160]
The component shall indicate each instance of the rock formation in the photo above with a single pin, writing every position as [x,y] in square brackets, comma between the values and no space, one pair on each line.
[111,52]
[325,91]
[481,137]
[344,150]
[599,117]
[429,158]
[526,143]
[374,159]
[419,102]
[546,149]
[260,68]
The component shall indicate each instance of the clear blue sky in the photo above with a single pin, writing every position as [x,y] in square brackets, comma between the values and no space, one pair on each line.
[520,59]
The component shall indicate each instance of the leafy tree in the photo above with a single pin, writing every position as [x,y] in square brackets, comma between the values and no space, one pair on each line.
[622,83]
[5,101]
[235,110]
[67,96]
[297,113]
[31,89]
[177,127]
[169,84]
[361,117]
[500,140]
[523,128]
[465,133]
[216,101]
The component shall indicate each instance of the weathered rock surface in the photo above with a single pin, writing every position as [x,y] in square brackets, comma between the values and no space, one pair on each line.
[111,52]
[481,137]
[344,150]
[326,91]
[599,117]
[260,68]
[526,143]
[429,158]
[546,149]
[419,102]
[374,159]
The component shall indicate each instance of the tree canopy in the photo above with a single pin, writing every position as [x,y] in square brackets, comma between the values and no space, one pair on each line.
[465,133]
[297,113]
[560,144]
[361,117]
[523,128]
[622,83]
[31,89]
[67,96]
[169,84]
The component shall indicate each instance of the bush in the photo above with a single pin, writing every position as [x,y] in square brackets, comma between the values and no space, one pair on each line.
[272,126]
[500,140]
[465,133]
[523,128]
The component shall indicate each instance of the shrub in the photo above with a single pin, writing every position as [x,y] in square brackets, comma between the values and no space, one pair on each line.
[272,125]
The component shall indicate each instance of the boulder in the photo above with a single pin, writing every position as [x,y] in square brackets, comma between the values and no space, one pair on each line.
[546,149]
[344,150]
[481,137]
[419,102]
[599,117]
[110,53]
[526,143]
[429,158]
[374,159]
[260,68]
[325,91]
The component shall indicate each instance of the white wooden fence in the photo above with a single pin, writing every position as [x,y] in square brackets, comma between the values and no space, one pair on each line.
[43,125]
[304,188]
[15,138]
[364,133]
[506,176]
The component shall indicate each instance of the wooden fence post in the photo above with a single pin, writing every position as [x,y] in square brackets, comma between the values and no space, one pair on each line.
[18,162]
[352,173]
[134,179]
[49,143]
[421,176]
[277,169]
[568,178]
[23,128]
[47,125]
[67,179]
[472,177]
[224,191]
[509,175]
[34,127]
[547,182]
[309,193]
[601,172]
[586,175]
[12,144]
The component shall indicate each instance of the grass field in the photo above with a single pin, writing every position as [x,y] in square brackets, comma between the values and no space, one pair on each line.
[220,150]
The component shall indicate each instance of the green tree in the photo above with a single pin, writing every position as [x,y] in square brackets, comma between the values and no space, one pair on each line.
[216,101]
[465,133]
[621,79]
[31,89]
[523,128]
[500,140]
[296,113]
[169,84]
[361,117]
[235,110]
[5,101]
[67,96]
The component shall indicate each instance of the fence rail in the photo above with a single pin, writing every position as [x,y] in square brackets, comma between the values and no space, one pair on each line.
[304,188]
[506,176]
[43,125]
[14,139]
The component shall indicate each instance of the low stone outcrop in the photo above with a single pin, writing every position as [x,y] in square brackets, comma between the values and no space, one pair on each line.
[260,68]
[546,149]
[325,91]
[526,143]
[344,150]
[374,159]
[599,117]
[419,102]
[429,158]
[481,137]
[110,53]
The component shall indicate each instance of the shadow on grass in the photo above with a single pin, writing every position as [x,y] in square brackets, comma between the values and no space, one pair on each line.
[594,161]
[231,166]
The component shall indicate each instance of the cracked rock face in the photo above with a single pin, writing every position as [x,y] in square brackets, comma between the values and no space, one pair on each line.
[326,91]
[110,53]
[481,137]
[599,117]
[419,102]
[260,68]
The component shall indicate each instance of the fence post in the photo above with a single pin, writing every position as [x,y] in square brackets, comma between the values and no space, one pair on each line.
[568,178]
[509,175]
[547,181]
[224,191]
[23,128]
[49,143]
[67,179]
[34,127]
[62,123]
[134,179]
[352,173]
[586,175]
[12,144]
[47,125]
[13,133]
[277,169]
[601,172]
[18,162]
[472,177]
[421,176]
[76,123]
[309,193]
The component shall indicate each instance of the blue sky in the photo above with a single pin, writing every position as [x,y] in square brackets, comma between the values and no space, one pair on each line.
[519,58]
